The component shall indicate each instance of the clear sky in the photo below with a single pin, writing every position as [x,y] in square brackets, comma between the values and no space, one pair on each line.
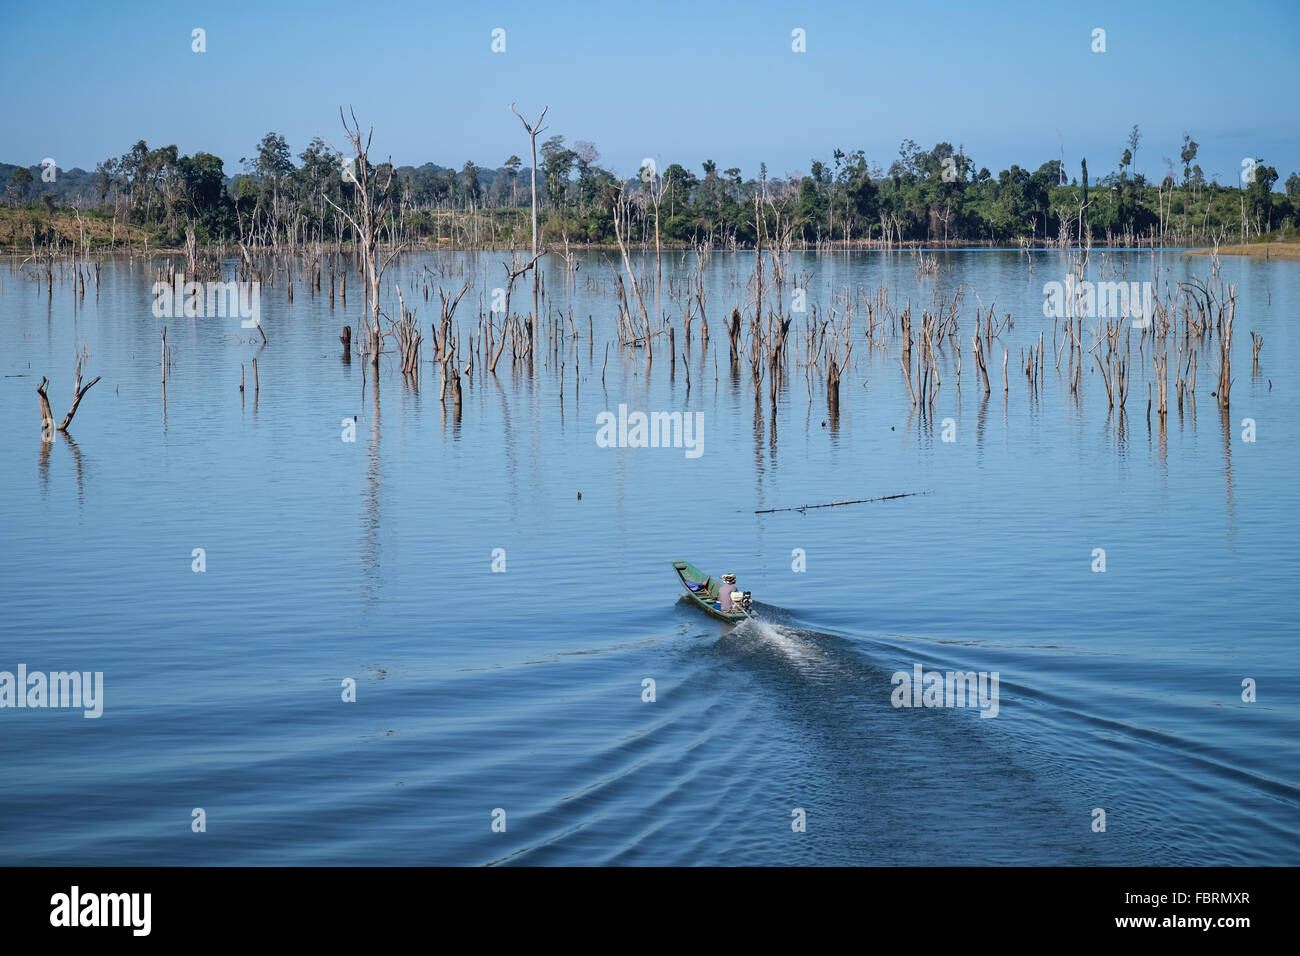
[1015,82]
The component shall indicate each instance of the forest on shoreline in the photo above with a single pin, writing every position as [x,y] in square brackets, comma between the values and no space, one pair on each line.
[159,199]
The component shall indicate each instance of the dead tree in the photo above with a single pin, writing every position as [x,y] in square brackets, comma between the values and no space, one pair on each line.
[370,200]
[835,367]
[621,205]
[733,336]
[1225,346]
[408,338]
[511,276]
[700,260]
[47,417]
[443,332]
[532,129]
[655,189]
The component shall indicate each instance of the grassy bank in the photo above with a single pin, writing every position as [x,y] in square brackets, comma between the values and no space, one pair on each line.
[1277,249]
[20,226]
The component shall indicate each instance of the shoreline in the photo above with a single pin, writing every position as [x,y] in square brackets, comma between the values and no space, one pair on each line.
[1281,249]
[1277,249]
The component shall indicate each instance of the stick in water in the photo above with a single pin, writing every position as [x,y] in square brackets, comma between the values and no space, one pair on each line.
[836,504]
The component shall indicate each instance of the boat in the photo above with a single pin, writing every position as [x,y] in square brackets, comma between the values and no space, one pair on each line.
[702,591]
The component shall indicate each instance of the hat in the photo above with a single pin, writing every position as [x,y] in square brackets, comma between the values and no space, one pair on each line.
[729,578]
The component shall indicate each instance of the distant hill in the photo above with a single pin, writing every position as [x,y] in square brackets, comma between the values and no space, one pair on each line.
[71,187]
[80,188]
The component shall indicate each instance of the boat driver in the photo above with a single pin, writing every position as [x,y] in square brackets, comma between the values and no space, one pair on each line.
[726,592]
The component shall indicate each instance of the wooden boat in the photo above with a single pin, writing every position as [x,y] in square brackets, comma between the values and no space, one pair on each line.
[702,591]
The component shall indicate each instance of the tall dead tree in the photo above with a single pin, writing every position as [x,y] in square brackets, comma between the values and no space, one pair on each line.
[654,184]
[622,207]
[371,198]
[532,129]
[1225,346]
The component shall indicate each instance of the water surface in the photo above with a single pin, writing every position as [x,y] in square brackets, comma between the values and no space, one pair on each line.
[522,690]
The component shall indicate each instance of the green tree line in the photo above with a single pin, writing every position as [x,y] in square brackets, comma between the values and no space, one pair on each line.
[935,195]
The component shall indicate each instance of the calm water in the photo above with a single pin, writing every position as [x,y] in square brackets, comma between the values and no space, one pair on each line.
[522,690]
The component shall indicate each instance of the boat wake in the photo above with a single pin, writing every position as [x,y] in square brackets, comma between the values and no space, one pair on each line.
[796,646]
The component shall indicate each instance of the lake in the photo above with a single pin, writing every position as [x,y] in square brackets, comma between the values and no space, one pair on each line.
[504,716]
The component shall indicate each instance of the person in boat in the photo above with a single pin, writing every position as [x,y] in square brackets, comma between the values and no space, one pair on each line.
[725,592]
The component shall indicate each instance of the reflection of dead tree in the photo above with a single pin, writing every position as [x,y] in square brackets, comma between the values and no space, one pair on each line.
[47,417]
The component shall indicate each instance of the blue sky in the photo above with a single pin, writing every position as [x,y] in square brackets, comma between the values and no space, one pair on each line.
[1014,82]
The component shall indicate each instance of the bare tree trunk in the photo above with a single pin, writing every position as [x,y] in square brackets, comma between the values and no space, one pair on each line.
[47,418]
[532,130]
[370,200]
[619,204]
